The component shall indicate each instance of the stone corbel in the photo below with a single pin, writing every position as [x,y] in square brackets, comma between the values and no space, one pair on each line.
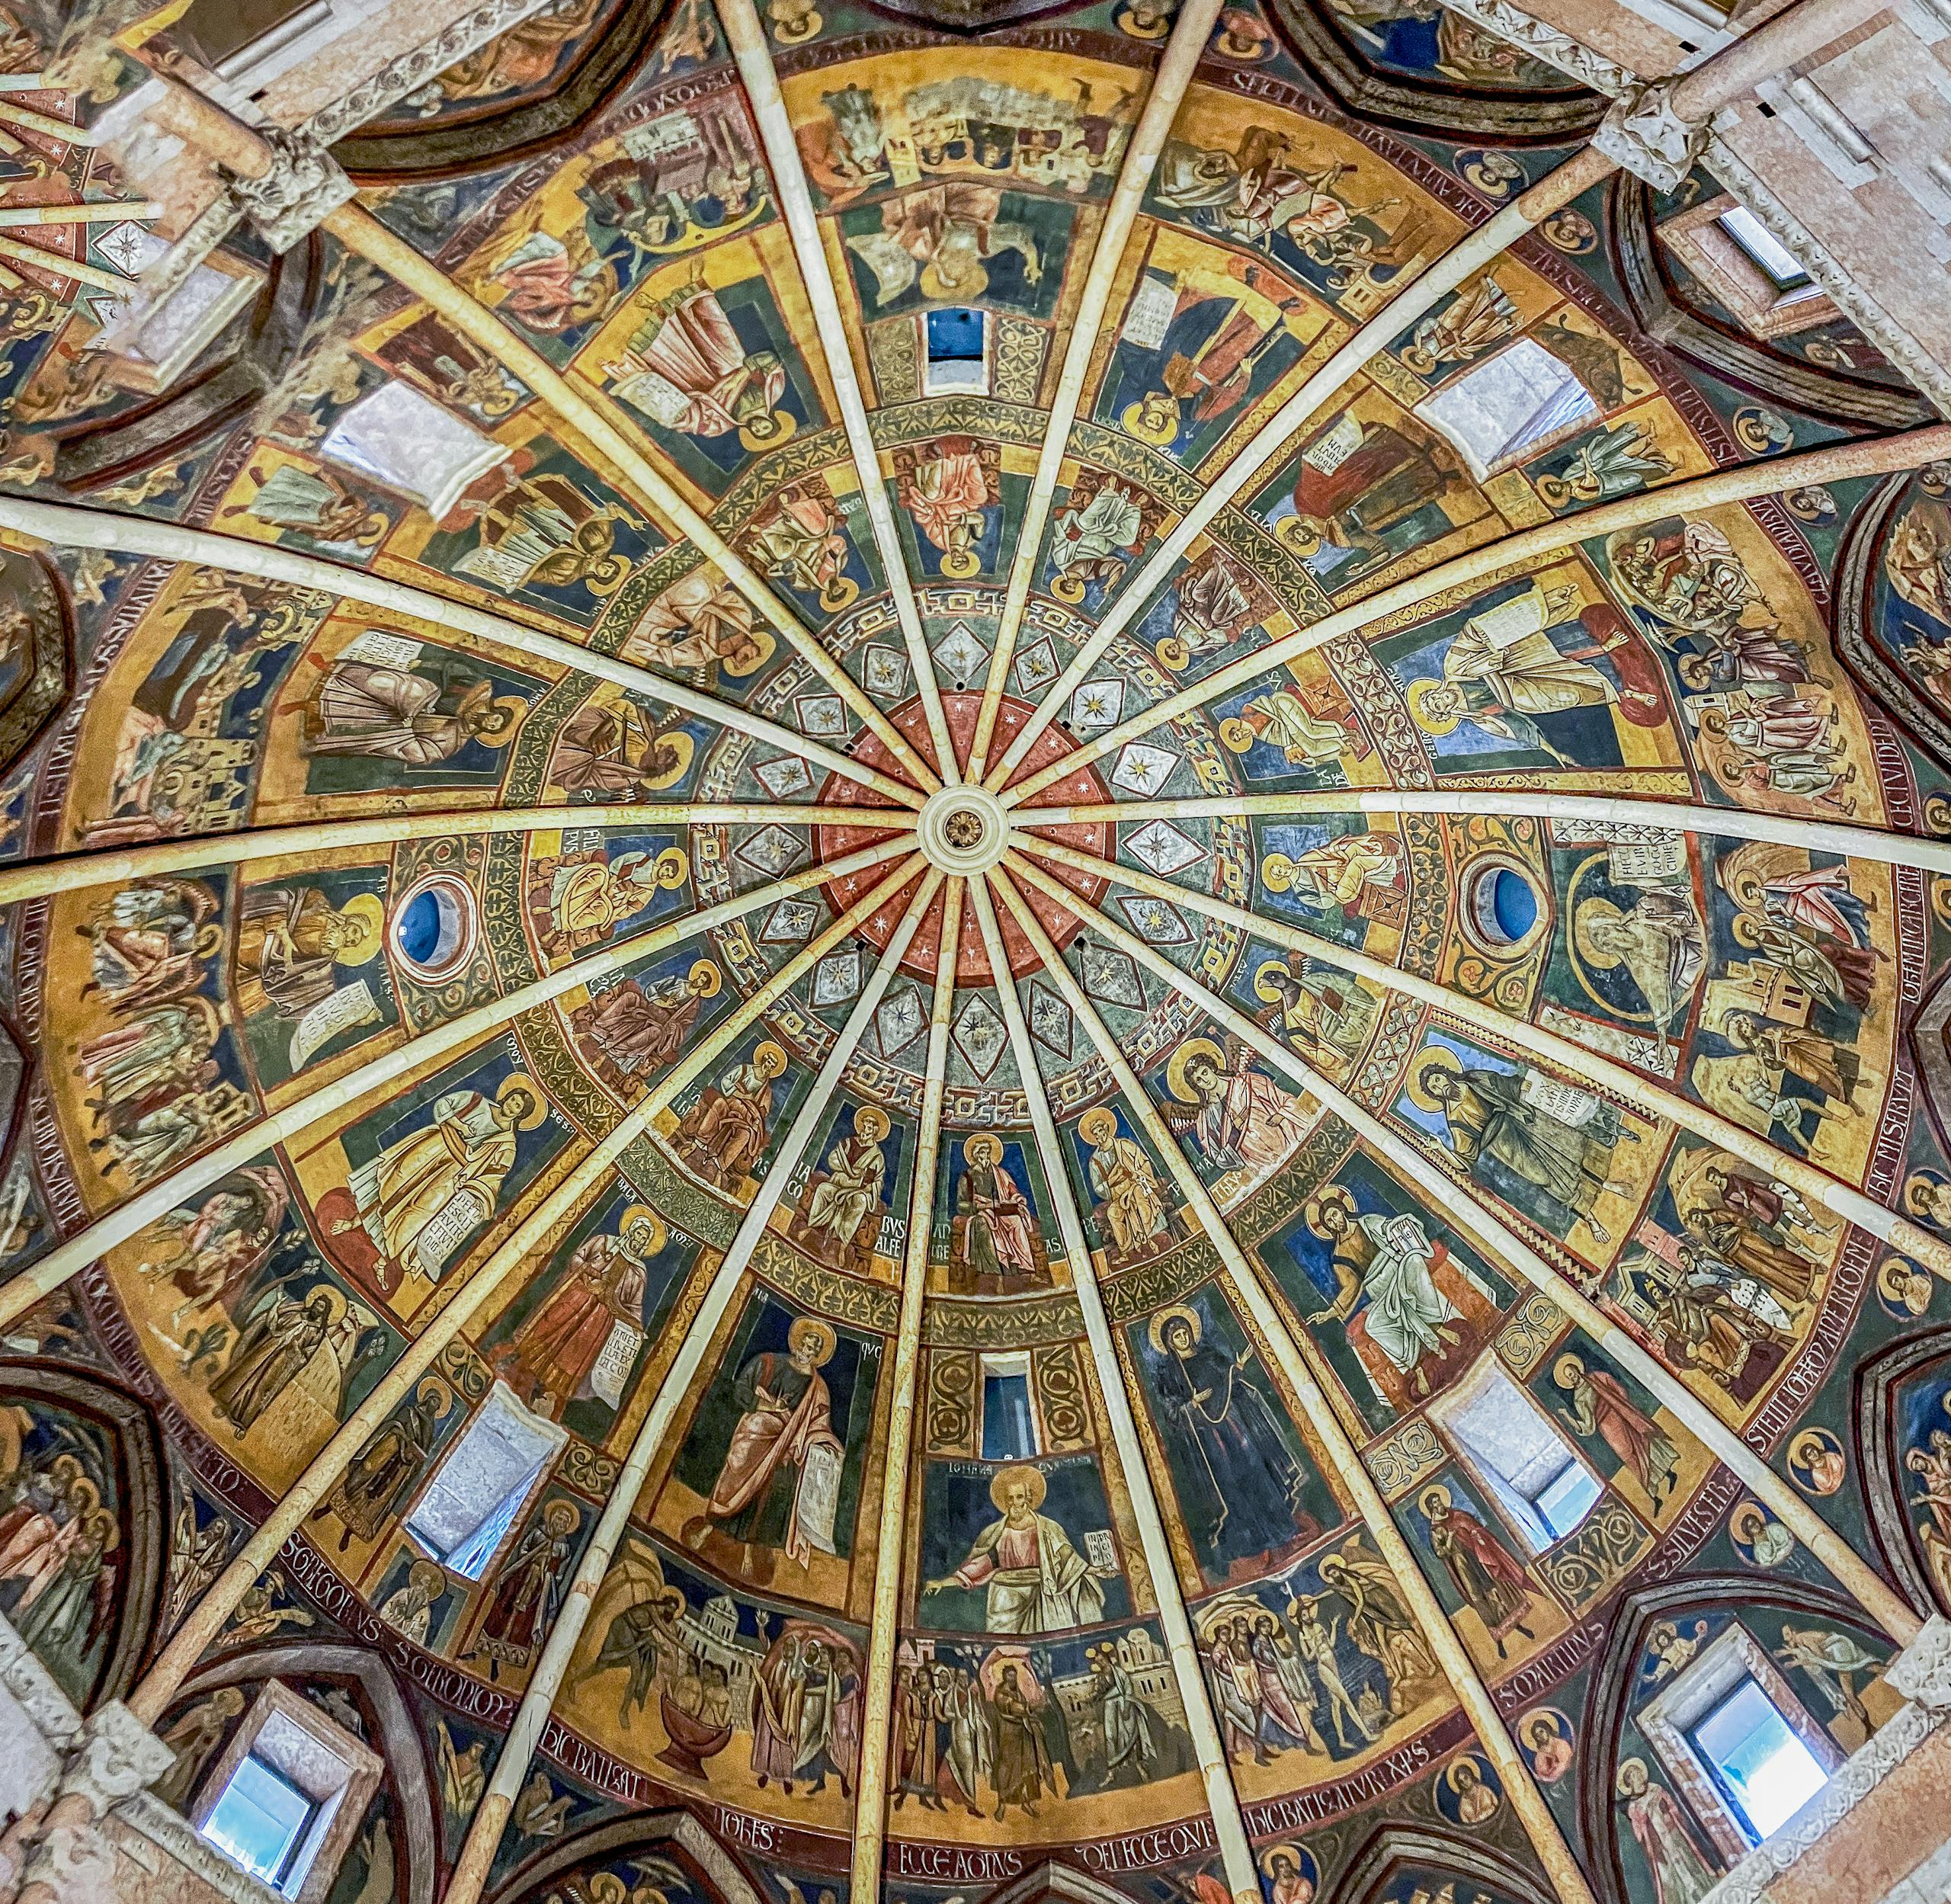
[1922,1671]
[305,185]
[69,1860]
[1644,134]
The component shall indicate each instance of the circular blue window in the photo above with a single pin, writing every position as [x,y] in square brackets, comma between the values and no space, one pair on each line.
[433,930]
[1504,905]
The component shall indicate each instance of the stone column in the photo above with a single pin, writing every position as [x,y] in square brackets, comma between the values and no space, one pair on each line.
[1658,129]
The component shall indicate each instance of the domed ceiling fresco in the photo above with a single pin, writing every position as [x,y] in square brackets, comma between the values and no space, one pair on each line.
[1300,1162]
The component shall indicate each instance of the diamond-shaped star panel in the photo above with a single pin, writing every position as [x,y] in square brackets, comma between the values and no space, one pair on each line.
[791,922]
[785,778]
[1036,667]
[1160,845]
[961,652]
[901,1020]
[981,1036]
[1096,705]
[1050,1021]
[884,670]
[821,717]
[1111,976]
[1143,770]
[837,977]
[1154,920]
[772,851]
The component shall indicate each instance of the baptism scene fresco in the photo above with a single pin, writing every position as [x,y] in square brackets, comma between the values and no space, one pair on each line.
[1086,1353]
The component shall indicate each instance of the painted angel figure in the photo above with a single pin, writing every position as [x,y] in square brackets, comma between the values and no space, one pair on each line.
[1240,1119]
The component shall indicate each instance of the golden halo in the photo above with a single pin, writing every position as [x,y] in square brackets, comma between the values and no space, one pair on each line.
[431,1580]
[671,868]
[683,747]
[367,911]
[1097,1126]
[1564,1362]
[1468,1759]
[1278,872]
[441,1397]
[1290,1851]
[960,563]
[1893,1279]
[1444,1059]
[1173,654]
[1261,989]
[1177,1312]
[790,33]
[811,1329]
[1336,1196]
[1136,419]
[770,1058]
[1417,695]
[1067,587]
[1437,1496]
[1129,24]
[966,290]
[777,426]
[982,1140]
[1298,535]
[1917,1191]
[521,1080]
[1583,917]
[642,1213]
[1747,931]
[870,1122]
[763,648]
[704,976]
[1004,1478]
[1237,736]
[1175,1067]
[335,1303]
[562,1516]
[513,707]
[210,941]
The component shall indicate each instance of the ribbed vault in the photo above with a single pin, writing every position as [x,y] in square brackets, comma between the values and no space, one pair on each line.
[978,814]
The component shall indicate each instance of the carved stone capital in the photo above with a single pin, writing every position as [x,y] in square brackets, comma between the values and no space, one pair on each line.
[304,186]
[1504,21]
[1922,1671]
[1643,133]
[118,1757]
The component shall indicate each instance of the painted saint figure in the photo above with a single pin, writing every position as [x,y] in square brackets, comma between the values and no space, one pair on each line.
[423,1192]
[527,1591]
[1240,1488]
[855,1168]
[785,1423]
[1491,1582]
[1386,1261]
[723,1135]
[420,716]
[1243,1121]
[687,369]
[1599,1405]
[1518,1130]
[1036,1581]
[633,1028]
[556,1349]
[1681,1874]
[1130,1198]
[995,1233]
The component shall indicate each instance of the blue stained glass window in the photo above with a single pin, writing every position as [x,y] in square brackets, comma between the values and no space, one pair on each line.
[259,1819]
